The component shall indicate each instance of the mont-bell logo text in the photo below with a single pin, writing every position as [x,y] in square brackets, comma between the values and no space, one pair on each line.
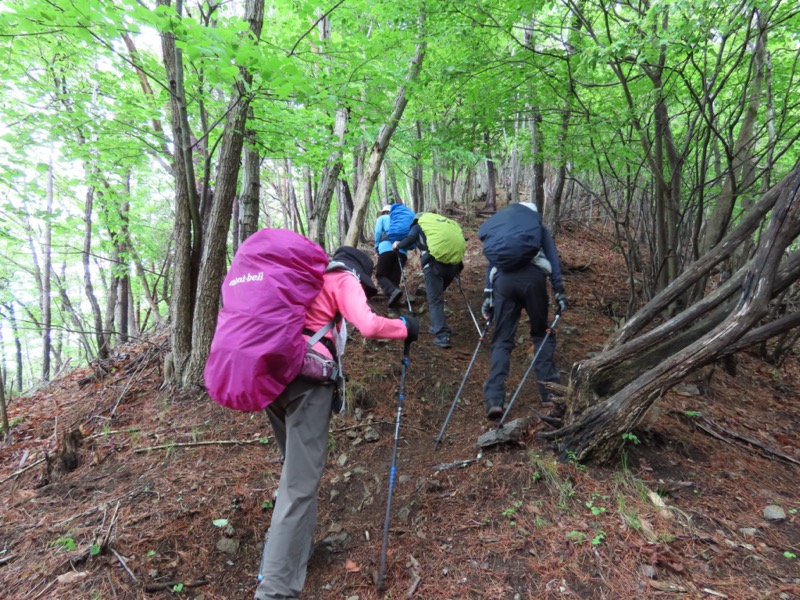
[248,277]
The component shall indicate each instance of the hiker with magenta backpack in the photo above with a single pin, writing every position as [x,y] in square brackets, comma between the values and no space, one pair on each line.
[391,226]
[522,255]
[442,245]
[278,346]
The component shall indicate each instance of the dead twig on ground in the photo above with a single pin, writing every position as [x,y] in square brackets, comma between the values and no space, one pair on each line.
[190,444]
[115,432]
[123,563]
[727,435]
[456,465]
[21,471]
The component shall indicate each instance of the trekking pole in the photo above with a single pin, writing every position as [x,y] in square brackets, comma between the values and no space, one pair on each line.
[405,287]
[530,367]
[461,387]
[393,471]
[469,307]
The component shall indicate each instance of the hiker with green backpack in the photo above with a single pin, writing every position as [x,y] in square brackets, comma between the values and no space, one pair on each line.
[442,245]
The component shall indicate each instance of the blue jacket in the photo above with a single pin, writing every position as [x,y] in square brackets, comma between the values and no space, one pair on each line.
[381,227]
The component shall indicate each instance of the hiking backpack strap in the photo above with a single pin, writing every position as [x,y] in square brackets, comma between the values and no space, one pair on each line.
[320,337]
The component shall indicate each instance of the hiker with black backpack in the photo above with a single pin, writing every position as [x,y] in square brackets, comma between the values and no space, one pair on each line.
[442,245]
[278,346]
[521,254]
[392,225]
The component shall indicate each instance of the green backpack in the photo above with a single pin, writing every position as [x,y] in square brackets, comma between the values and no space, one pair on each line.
[444,238]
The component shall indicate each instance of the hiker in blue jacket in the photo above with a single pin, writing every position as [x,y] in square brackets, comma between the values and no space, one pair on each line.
[389,270]
[505,295]
[438,277]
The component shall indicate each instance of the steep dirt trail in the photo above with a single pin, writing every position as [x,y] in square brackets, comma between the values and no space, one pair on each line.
[511,523]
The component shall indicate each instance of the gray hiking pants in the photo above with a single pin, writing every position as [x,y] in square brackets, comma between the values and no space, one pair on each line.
[300,417]
[438,277]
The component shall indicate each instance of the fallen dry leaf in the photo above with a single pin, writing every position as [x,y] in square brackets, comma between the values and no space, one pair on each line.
[351,567]
[72,577]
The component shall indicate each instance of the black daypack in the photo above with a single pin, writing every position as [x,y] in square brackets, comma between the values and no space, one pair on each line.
[512,237]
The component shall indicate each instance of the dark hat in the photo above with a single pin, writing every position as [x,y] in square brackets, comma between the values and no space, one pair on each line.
[359,262]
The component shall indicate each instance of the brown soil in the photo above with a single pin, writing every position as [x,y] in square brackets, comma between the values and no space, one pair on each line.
[665,521]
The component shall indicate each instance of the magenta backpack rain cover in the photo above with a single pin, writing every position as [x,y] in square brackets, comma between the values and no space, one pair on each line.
[258,346]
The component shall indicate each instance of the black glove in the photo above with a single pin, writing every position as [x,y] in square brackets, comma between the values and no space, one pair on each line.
[412,325]
[488,305]
[561,299]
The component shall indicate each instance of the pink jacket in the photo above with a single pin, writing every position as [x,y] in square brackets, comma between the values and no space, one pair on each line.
[342,294]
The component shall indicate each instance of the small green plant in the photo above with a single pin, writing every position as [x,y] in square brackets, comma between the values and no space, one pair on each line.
[576,536]
[178,587]
[566,492]
[267,504]
[546,469]
[151,553]
[540,522]
[631,437]
[628,515]
[788,554]
[692,413]
[511,511]
[64,543]
[95,549]
[792,511]
[572,458]
[599,537]
[596,510]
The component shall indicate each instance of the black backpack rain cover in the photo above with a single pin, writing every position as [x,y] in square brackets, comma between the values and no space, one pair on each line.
[512,237]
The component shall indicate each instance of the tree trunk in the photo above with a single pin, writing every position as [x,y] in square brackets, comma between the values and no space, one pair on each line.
[417,192]
[554,206]
[3,411]
[491,178]
[100,338]
[378,151]
[17,343]
[183,280]
[249,199]
[46,277]
[722,213]
[308,196]
[213,263]
[602,407]
[318,217]
[327,184]
[394,194]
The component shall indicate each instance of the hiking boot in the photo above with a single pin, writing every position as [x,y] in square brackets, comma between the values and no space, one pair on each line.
[431,330]
[443,342]
[493,413]
[394,297]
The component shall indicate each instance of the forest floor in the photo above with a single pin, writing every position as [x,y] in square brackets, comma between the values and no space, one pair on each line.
[172,493]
